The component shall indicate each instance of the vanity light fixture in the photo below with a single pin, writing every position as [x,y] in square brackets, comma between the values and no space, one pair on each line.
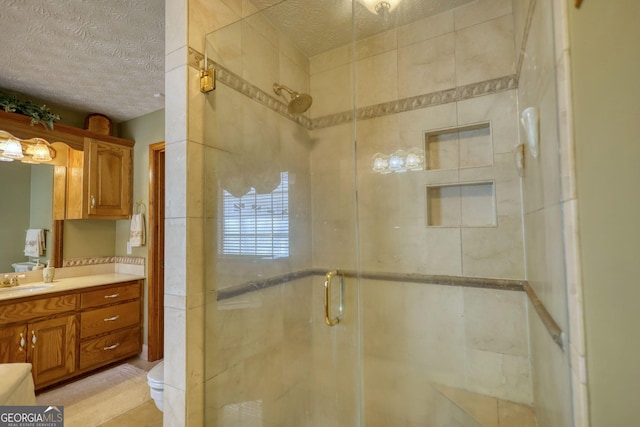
[41,152]
[34,150]
[13,149]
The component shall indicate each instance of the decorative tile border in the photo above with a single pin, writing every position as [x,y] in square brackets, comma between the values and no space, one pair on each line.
[471,282]
[461,93]
[420,101]
[76,262]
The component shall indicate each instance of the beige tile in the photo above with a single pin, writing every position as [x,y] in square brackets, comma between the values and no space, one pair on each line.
[176,27]
[520,12]
[376,45]
[500,110]
[480,11]
[175,353]
[426,28]
[176,111]
[376,79]
[260,60]
[496,321]
[331,59]
[485,51]
[515,415]
[478,204]
[174,406]
[426,66]
[208,16]
[412,125]
[224,46]
[483,409]
[494,251]
[147,415]
[332,91]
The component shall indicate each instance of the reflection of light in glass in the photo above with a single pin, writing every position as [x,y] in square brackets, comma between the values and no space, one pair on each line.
[396,161]
[400,161]
[414,159]
[380,163]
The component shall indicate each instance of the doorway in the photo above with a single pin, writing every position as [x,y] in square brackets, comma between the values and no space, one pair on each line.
[155,280]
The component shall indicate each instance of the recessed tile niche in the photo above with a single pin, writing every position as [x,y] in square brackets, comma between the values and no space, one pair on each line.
[459,147]
[461,205]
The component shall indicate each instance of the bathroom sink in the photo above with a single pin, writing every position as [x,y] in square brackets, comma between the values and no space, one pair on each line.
[21,289]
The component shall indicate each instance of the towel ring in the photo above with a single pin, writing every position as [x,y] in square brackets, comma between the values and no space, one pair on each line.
[140,208]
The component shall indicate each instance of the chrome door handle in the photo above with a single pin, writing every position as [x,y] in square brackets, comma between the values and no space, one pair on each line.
[328,318]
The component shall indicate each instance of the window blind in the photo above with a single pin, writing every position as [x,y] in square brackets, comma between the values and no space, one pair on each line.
[256,224]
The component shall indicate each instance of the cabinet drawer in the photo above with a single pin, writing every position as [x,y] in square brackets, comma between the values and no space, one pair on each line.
[20,311]
[110,318]
[110,295]
[109,348]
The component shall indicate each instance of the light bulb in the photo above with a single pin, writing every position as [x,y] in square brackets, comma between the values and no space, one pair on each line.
[41,152]
[13,149]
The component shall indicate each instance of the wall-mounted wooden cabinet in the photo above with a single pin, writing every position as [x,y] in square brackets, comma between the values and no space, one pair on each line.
[96,183]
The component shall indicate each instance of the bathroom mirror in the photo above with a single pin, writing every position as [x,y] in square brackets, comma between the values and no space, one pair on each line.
[26,192]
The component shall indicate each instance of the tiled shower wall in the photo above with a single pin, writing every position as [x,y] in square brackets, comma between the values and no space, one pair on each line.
[469,45]
[416,334]
[550,214]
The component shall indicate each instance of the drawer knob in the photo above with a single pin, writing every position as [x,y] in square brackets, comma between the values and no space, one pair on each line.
[112,319]
[111,347]
[22,342]
[116,295]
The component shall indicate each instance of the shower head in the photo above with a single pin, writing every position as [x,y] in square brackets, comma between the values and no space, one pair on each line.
[299,102]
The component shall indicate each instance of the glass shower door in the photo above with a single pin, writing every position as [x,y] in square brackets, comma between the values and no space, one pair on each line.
[280,214]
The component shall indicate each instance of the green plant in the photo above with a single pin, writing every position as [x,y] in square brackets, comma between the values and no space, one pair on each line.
[39,113]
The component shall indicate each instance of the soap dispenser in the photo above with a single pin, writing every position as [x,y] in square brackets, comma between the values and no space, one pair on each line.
[38,266]
[48,272]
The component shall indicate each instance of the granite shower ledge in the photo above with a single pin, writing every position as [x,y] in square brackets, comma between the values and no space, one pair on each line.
[473,282]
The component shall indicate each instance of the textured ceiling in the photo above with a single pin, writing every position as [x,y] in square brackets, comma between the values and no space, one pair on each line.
[88,55]
[108,56]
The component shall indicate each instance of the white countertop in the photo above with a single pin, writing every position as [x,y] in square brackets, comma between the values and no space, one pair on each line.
[64,284]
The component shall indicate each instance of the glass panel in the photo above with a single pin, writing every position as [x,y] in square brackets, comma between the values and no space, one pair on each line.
[280,213]
[292,194]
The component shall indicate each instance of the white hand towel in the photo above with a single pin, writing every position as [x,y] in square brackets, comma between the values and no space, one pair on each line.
[34,242]
[136,232]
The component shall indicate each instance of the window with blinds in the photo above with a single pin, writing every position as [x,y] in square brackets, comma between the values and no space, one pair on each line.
[256,224]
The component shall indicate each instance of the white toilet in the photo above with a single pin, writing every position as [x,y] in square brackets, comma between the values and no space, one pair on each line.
[155,379]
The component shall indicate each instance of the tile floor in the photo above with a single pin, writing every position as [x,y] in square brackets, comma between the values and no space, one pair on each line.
[146,415]
[89,395]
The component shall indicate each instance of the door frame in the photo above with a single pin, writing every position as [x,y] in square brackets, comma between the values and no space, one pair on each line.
[155,276]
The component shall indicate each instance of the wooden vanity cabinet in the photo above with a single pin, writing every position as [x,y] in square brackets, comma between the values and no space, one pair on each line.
[42,332]
[51,348]
[97,182]
[67,334]
[13,341]
[110,324]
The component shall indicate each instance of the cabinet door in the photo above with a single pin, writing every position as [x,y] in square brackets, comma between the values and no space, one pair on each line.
[13,344]
[52,347]
[109,179]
